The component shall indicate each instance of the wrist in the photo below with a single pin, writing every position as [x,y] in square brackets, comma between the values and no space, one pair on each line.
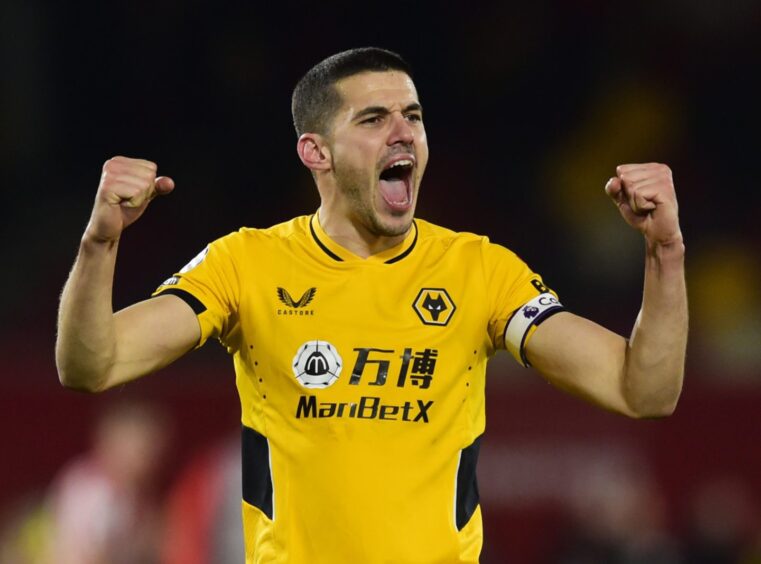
[665,257]
[93,242]
[673,248]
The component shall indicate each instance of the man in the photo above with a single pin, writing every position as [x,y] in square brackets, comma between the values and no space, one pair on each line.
[102,504]
[360,335]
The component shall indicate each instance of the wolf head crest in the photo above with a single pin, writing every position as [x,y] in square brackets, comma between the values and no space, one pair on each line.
[434,306]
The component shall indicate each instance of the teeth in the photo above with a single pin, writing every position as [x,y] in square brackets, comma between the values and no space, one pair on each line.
[403,162]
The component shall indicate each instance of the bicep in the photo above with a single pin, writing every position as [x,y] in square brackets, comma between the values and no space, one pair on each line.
[581,357]
[150,335]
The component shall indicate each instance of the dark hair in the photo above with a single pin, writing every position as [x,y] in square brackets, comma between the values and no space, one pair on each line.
[315,98]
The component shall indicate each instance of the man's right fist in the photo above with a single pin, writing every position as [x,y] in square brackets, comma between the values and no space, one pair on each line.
[126,188]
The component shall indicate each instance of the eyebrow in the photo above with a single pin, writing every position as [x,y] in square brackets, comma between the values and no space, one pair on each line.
[415,106]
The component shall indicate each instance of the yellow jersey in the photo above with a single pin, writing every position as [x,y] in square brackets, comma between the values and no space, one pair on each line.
[361,384]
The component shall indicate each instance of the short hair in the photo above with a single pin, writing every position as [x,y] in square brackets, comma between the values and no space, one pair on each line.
[315,99]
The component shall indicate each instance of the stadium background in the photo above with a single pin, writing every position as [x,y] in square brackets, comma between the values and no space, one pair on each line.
[528,110]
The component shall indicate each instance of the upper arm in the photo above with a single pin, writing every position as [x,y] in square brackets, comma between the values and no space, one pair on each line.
[581,357]
[150,335]
[571,352]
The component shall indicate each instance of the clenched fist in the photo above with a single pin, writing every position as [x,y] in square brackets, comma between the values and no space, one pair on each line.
[645,196]
[126,188]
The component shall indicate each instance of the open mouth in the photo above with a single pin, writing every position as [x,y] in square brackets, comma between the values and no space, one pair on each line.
[396,184]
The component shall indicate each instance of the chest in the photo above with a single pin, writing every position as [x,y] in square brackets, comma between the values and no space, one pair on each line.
[382,329]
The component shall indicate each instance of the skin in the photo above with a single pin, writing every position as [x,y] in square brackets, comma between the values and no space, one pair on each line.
[641,376]
[379,121]
[96,348]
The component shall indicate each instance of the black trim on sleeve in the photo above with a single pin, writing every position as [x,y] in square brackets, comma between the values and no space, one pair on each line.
[546,314]
[257,479]
[467,485]
[195,304]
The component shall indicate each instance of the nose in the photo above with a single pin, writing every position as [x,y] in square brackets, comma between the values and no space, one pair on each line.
[401,130]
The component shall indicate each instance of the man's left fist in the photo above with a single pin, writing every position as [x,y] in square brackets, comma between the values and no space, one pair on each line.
[645,196]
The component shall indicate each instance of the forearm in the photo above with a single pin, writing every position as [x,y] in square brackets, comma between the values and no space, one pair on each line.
[86,343]
[654,363]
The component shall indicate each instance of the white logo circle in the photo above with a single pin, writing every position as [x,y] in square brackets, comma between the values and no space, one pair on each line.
[317,364]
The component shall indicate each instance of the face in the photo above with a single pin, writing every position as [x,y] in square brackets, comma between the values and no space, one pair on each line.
[378,151]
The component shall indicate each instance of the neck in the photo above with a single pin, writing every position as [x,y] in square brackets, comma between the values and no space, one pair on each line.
[353,235]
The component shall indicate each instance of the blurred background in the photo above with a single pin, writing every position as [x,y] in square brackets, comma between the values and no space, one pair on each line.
[528,109]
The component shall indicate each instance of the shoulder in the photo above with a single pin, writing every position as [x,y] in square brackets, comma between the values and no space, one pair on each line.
[464,241]
[432,233]
[247,237]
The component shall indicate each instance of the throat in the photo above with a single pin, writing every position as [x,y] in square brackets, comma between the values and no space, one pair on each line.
[361,236]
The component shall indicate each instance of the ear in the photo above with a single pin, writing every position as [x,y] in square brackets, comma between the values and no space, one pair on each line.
[314,152]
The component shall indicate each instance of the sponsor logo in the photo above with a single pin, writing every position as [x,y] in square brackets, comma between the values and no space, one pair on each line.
[530,311]
[295,307]
[548,300]
[417,367]
[173,281]
[368,407]
[434,306]
[196,261]
[317,364]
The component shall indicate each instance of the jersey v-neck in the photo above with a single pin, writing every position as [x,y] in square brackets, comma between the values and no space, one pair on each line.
[340,254]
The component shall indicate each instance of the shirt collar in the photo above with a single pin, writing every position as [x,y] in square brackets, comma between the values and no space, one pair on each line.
[339,254]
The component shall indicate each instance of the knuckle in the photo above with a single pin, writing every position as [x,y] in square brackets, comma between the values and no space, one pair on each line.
[107,178]
[663,168]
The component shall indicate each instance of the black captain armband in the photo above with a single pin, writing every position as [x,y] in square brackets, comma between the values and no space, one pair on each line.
[525,319]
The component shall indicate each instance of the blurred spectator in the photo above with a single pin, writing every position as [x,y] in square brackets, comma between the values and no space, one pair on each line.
[101,504]
[23,531]
[204,523]
[618,518]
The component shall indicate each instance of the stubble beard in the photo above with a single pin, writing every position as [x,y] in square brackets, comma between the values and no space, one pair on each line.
[351,183]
